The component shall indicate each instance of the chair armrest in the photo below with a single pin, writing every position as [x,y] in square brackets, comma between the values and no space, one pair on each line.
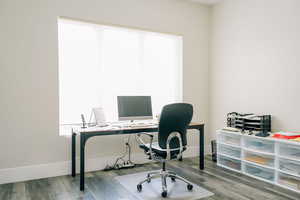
[170,137]
[142,142]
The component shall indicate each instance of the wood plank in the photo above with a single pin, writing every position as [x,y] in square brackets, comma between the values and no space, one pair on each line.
[101,185]
[6,191]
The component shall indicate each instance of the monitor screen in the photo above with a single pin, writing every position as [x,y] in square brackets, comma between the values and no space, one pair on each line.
[134,107]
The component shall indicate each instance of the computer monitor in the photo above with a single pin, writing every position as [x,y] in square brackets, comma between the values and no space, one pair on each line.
[134,107]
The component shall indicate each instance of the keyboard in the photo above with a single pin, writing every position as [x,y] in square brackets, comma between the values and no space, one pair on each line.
[142,124]
[135,124]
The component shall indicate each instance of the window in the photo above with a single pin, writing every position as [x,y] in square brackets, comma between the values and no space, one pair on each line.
[99,62]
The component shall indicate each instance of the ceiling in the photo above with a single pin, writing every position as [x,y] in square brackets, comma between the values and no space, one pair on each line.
[207,1]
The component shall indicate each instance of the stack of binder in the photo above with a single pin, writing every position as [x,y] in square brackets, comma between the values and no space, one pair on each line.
[251,122]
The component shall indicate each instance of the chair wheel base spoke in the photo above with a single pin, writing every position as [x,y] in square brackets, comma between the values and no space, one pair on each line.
[148,178]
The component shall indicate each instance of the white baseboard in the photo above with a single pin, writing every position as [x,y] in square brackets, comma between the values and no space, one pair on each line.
[11,175]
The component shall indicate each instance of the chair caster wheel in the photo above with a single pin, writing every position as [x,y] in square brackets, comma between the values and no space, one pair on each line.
[139,187]
[173,179]
[148,178]
[164,194]
[189,187]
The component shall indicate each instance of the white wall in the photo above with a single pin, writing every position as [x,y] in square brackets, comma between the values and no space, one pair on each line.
[29,69]
[255,59]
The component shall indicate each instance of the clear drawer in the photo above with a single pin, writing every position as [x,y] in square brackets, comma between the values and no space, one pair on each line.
[289,151]
[259,158]
[260,172]
[231,139]
[259,145]
[230,151]
[289,181]
[289,166]
[229,162]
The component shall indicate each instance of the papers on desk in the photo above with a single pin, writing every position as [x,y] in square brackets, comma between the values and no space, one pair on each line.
[116,126]
[93,128]
[145,123]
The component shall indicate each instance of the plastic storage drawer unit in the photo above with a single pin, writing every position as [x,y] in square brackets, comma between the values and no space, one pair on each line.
[231,139]
[259,158]
[289,151]
[289,181]
[259,145]
[229,151]
[229,162]
[289,166]
[260,172]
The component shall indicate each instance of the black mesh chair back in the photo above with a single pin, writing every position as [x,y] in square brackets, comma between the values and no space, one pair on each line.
[174,118]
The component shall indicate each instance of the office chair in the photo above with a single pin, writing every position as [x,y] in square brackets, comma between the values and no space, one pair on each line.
[172,141]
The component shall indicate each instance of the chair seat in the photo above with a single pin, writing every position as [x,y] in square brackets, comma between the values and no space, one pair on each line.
[159,151]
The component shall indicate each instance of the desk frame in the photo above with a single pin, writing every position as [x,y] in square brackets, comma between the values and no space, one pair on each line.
[84,136]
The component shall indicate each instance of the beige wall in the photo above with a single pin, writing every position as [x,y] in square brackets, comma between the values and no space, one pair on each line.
[255,55]
[29,69]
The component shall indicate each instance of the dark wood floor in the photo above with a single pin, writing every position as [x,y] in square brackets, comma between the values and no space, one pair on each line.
[100,185]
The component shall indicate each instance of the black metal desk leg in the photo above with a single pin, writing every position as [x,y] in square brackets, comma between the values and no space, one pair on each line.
[82,160]
[73,154]
[201,147]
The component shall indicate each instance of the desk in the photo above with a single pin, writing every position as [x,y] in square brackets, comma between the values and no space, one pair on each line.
[87,133]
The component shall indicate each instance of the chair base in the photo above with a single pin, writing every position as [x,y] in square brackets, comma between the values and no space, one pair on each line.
[164,174]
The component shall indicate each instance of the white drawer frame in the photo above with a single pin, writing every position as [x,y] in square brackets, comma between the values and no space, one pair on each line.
[276,155]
